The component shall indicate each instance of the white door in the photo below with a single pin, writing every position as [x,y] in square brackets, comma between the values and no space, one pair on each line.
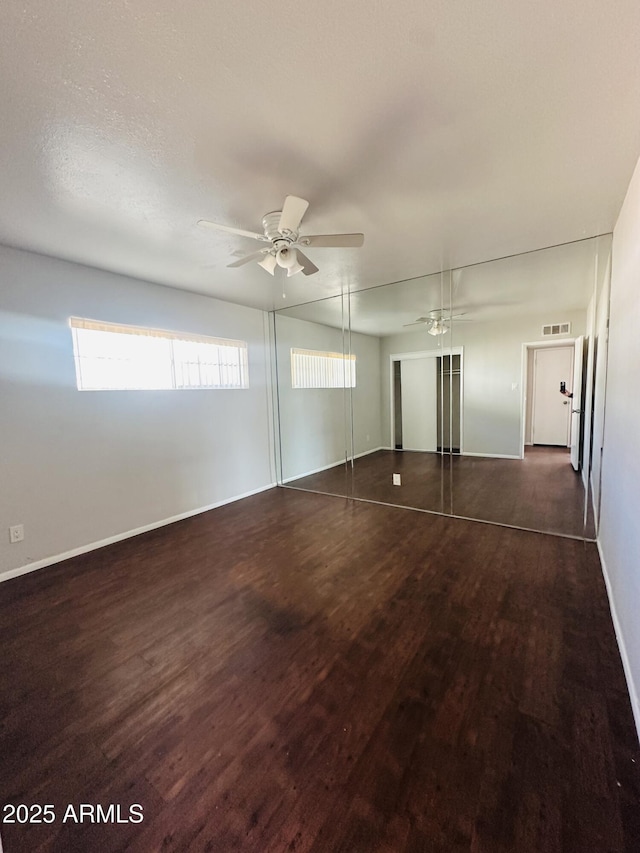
[551,409]
[576,404]
[418,377]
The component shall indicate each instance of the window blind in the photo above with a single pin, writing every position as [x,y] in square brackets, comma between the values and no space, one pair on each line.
[318,369]
[113,357]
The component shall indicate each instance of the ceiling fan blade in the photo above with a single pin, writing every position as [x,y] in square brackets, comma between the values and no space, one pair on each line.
[344,241]
[254,235]
[308,267]
[445,313]
[423,321]
[247,258]
[448,318]
[293,210]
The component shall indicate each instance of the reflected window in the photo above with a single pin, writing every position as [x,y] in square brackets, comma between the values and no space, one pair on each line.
[317,369]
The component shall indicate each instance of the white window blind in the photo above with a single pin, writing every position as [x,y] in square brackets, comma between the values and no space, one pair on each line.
[314,369]
[110,357]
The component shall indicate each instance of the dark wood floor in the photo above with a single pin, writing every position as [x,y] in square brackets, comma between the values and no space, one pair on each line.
[295,672]
[541,492]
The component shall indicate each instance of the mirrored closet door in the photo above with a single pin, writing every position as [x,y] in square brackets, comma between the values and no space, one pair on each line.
[476,392]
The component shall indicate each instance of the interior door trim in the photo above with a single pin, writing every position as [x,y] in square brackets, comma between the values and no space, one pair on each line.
[526,346]
[429,353]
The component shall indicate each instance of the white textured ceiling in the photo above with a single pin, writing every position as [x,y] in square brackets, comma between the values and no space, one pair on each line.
[449,132]
[552,283]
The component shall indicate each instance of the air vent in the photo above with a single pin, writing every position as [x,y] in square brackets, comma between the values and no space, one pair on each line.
[556,329]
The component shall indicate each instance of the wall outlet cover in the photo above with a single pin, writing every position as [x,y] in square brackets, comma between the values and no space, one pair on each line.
[16,533]
[397,480]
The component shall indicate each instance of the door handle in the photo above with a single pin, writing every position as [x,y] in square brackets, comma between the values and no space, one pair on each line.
[576,411]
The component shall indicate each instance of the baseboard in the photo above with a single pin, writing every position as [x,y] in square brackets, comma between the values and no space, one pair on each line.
[464,453]
[633,693]
[490,455]
[118,537]
[332,465]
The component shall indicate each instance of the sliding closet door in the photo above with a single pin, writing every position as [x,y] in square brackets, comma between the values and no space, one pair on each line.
[418,377]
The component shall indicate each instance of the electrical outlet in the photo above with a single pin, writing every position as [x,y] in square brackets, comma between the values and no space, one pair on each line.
[16,533]
[397,480]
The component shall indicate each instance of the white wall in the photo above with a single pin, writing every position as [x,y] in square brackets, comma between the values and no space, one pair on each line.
[619,534]
[492,366]
[80,467]
[315,423]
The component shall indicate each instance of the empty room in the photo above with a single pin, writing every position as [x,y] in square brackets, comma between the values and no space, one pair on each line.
[319,481]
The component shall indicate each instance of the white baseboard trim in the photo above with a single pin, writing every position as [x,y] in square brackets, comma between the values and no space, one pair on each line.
[118,537]
[633,693]
[489,455]
[368,452]
[332,465]
[464,453]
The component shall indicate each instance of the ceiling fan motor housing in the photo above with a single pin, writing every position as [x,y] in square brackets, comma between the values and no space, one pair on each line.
[285,256]
[270,223]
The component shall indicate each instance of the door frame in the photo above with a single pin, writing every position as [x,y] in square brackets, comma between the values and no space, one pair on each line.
[578,416]
[429,353]
[534,408]
[562,342]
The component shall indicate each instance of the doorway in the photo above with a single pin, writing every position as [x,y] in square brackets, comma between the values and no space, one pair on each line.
[449,403]
[426,401]
[550,408]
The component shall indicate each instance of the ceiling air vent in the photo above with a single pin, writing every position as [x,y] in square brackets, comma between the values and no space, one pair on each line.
[556,329]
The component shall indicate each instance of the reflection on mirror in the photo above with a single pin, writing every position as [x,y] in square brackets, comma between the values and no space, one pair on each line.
[476,392]
[315,372]
[408,319]
[528,379]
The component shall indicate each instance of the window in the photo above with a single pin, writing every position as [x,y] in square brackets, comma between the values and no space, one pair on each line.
[312,369]
[118,358]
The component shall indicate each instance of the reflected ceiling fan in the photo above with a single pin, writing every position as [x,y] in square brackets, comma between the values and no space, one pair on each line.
[281,231]
[438,322]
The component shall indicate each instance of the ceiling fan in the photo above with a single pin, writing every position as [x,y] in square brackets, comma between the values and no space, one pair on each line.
[281,231]
[438,322]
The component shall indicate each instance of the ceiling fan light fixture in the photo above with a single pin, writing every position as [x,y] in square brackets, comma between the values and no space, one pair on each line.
[438,327]
[268,263]
[288,260]
[294,270]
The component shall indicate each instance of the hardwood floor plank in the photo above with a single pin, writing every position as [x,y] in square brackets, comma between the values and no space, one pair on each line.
[539,492]
[300,672]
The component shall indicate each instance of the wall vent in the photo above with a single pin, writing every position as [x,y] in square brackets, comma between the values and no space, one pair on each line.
[556,329]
